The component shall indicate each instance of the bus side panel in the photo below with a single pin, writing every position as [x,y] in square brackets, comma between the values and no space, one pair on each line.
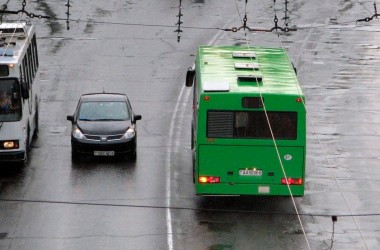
[227,162]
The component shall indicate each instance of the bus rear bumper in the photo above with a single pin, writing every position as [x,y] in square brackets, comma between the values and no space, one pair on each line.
[227,189]
[14,156]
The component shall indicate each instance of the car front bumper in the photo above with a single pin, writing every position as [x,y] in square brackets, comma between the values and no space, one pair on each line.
[12,156]
[119,147]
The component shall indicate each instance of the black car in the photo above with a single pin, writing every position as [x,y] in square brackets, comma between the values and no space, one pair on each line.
[103,125]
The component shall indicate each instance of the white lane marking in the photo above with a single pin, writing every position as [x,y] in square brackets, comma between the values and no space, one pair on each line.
[168,179]
[169,227]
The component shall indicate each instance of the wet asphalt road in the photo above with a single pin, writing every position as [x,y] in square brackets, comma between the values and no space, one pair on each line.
[52,203]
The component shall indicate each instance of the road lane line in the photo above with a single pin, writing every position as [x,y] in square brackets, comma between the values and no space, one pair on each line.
[169,226]
[168,174]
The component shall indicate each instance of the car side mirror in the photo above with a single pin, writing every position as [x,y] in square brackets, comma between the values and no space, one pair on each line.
[24,90]
[137,117]
[190,77]
[70,118]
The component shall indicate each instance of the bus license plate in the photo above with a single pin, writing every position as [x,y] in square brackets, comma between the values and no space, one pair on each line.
[104,153]
[250,172]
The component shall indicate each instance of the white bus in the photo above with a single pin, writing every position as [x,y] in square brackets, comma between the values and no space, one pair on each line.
[19,90]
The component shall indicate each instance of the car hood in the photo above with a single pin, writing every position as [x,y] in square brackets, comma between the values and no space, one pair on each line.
[103,127]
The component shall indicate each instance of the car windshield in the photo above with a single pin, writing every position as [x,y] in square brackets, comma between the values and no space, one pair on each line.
[10,101]
[103,111]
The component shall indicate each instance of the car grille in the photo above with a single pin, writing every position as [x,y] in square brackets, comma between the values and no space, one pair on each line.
[119,146]
[104,137]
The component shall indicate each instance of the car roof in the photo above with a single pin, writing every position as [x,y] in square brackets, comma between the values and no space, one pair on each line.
[103,97]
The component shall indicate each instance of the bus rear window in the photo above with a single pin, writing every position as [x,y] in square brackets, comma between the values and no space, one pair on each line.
[251,125]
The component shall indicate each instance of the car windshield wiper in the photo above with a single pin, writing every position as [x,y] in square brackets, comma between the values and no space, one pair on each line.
[85,119]
[108,119]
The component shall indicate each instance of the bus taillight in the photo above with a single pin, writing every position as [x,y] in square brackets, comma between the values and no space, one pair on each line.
[298,99]
[291,181]
[208,179]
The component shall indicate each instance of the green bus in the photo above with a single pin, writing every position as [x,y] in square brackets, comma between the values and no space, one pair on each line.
[249,122]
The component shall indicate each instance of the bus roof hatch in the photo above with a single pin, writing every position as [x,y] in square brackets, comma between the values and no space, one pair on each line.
[216,87]
[13,29]
[243,54]
[250,78]
[247,66]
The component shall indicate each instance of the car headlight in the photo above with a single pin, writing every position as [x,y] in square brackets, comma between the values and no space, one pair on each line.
[130,133]
[13,144]
[77,133]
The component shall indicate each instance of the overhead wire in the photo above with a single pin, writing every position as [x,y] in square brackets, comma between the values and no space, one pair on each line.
[157,25]
[168,26]
[328,160]
[3,7]
[305,27]
[275,144]
[23,11]
[312,123]
[316,134]
[370,18]
[367,9]
[104,204]
[267,119]
[282,165]
[238,11]
[342,193]
[68,19]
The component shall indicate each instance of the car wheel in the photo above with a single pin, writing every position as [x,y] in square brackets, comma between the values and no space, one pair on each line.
[74,156]
[133,156]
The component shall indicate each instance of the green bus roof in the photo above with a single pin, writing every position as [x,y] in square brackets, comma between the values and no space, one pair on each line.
[241,69]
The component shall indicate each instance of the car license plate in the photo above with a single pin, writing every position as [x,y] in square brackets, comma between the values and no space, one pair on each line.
[250,172]
[104,153]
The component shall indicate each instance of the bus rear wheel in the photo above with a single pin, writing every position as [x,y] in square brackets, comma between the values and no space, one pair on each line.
[192,136]
[193,167]
[27,145]
[35,134]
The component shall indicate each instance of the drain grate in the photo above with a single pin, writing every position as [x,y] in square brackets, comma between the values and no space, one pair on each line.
[3,235]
